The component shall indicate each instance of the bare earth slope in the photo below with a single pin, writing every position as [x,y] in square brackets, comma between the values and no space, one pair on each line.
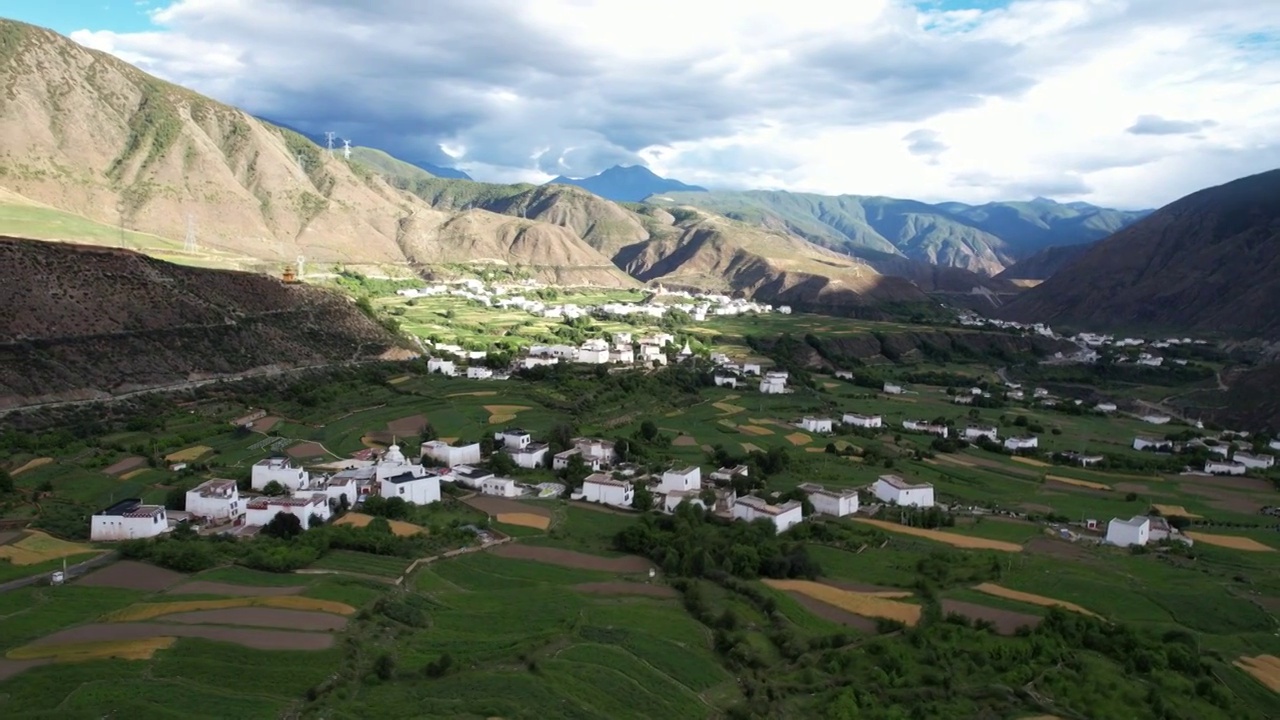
[1209,262]
[79,322]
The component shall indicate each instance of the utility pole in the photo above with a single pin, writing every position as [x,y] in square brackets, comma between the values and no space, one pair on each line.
[302,163]
[120,213]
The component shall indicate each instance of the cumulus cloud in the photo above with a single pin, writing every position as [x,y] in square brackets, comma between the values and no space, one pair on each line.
[1156,125]
[1033,95]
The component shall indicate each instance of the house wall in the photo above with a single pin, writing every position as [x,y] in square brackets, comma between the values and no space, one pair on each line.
[103,528]
[290,478]
[831,505]
[218,508]
[501,487]
[915,497]
[530,460]
[451,456]
[422,491]
[1124,535]
[786,520]
[678,481]
[262,517]
[607,494]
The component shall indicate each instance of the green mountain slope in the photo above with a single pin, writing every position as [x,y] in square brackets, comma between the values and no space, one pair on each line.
[983,239]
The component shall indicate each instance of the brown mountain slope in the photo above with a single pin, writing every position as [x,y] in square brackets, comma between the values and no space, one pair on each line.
[82,322]
[707,251]
[85,133]
[1044,264]
[1209,262]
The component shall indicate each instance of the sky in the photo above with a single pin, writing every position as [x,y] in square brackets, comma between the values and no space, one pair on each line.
[1122,103]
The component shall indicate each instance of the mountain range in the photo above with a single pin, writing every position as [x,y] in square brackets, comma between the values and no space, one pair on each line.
[1209,262]
[84,134]
[631,183]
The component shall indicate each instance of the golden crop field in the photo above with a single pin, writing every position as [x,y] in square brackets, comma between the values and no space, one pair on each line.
[954,539]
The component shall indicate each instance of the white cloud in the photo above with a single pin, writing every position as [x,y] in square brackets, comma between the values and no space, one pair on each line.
[875,96]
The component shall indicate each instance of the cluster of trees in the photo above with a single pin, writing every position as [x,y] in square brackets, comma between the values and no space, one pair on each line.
[692,543]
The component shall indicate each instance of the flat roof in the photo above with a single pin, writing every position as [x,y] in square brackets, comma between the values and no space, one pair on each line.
[763,505]
[122,507]
[602,479]
[405,477]
[901,484]
[211,487]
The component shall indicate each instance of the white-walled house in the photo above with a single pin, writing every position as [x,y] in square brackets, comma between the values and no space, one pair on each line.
[1255,462]
[513,438]
[1146,442]
[774,383]
[783,517]
[1030,442]
[863,421]
[470,476]
[894,490]
[262,510]
[1225,467]
[479,373]
[815,425]
[500,487]
[218,500]
[751,369]
[415,489]
[676,498]
[1156,419]
[1274,444]
[725,381]
[1106,407]
[531,456]
[279,470]
[727,474]
[595,451]
[927,427]
[973,432]
[600,488]
[1125,533]
[448,455]
[689,478]
[128,519]
[444,367]
[837,503]
[892,389]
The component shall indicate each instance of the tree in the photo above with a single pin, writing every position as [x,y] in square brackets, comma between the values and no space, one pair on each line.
[284,526]
[273,489]
[648,431]
[501,463]
[642,498]
[176,499]
[385,666]
[428,433]
[6,483]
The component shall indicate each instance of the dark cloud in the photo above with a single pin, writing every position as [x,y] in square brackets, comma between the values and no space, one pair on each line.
[1156,125]
[925,143]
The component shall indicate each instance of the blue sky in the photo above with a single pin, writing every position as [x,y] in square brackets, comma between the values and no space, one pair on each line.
[66,16]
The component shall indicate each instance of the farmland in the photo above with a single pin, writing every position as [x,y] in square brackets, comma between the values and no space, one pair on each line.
[562,621]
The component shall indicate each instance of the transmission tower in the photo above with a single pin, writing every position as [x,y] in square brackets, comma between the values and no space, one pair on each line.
[346,149]
[328,137]
[190,244]
[301,259]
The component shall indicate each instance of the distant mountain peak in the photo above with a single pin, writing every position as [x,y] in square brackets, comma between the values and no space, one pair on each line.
[627,183]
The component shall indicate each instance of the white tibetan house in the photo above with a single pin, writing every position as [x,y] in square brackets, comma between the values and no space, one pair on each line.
[603,489]
[1126,533]
[215,500]
[783,517]
[862,421]
[689,478]
[279,470]
[413,488]
[449,455]
[262,510]
[128,519]
[1225,467]
[837,503]
[815,425]
[894,490]
[499,487]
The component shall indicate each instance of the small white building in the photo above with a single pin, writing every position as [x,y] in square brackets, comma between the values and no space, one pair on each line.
[1125,533]
[751,368]
[448,455]
[597,452]
[926,427]
[1083,459]
[530,457]
[862,421]
[262,510]
[774,383]
[783,517]
[1274,444]
[470,476]
[894,490]
[689,478]
[676,498]
[128,520]
[218,500]
[1255,462]
[725,381]
[594,352]
[501,487]
[1146,442]
[1106,407]
[479,373]
[279,470]
[1030,442]
[727,474]
[892,389]
[600,488]
[444,367]
[1225,467]
[339,487]
[622,354]
[973,432]
[513,438]
[837,503]
[1156,419]
[815,425]
[413,488]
